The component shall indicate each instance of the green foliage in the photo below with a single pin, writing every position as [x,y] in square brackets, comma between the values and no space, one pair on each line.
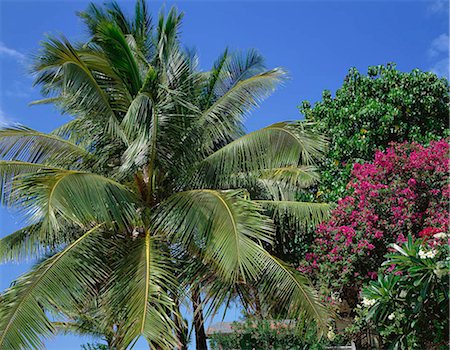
[263,334]
[370,111]
[156,158]
[409,303]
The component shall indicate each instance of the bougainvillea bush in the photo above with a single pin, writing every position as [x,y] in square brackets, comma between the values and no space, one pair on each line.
[408,305]
[403,191]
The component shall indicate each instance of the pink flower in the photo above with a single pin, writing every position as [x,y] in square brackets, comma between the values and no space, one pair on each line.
[403,191]
[412,182]
[372,275]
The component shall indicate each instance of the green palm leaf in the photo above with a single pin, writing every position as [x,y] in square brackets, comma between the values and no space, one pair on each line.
[224,117]
[24,243]
[276,146]
[23,320]
[22,143]
[289,293]
[292,177]
[224,229]
[115,46]
[142,281]
[221,226]
[54,197]
[297,213]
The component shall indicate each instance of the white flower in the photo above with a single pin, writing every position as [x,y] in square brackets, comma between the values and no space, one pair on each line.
[403,293]
[422,254]
[330,335]
[431,254]
[368,302]
[440,235]
[427,255]
[391,316]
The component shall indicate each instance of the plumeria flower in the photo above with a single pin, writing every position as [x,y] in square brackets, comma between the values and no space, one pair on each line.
[422,254]
[431,254]
[440,235]
[391,316]
[368,302]
[331,335]
[427,255]
[403,293]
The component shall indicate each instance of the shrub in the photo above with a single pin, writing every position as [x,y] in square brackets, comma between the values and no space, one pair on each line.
[409,303]
[270,335]
[371,111]
[404,191]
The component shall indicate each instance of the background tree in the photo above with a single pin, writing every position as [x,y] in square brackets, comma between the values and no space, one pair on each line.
[368,113]
[152,192]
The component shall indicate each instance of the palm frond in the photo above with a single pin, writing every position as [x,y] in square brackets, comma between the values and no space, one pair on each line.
[297,213]
[289,293]
[287,180]
[213,79]
[280,145]
[80,79]
[10,169]
[23,318]
[28,145]
[24,243]
[56,196]
[294,177]
[223,229]
[81,131]
[138,119]
[60,68]
[220,227]
[167,34]
[224,117]
[115,46]
[142,27]
[141,284]
[238,67]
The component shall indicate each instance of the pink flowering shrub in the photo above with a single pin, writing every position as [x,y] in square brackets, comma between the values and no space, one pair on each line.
[404,191]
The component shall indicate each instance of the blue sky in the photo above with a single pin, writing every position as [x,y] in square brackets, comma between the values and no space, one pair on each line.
[315,41]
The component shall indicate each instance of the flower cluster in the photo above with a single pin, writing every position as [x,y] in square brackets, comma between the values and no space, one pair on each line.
[404,191]
[368,302]
[427,255]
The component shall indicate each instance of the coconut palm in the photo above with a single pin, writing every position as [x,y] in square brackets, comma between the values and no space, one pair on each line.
[152,192]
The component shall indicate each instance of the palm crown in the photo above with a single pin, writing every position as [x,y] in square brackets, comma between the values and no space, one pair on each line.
[152,188]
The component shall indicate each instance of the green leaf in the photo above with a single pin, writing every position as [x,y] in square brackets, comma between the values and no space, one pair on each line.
[142,281]
[23,318]
[23,144]
[298,213]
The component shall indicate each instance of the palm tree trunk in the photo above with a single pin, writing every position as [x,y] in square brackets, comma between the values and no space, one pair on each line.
[199,325]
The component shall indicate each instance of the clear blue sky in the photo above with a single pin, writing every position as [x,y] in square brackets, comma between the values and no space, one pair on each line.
[315,41]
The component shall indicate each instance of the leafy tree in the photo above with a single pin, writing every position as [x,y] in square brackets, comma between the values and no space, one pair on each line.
[371,111]
[152,192]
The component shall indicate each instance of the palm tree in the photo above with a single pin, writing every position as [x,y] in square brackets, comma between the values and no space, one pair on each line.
[153,192]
